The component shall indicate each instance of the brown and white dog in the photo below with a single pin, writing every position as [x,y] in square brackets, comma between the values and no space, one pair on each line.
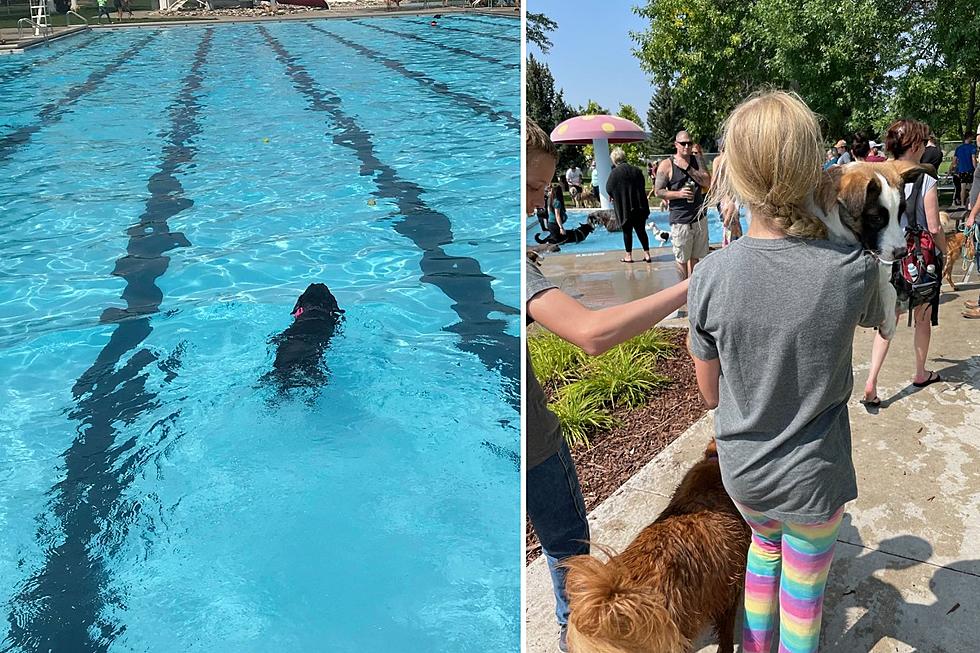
[957,244]
[682,573]
[863,203]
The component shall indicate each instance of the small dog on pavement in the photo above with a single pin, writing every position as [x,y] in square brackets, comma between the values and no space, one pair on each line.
[683,572]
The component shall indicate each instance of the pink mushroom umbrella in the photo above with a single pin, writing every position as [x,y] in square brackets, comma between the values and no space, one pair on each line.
[600,131]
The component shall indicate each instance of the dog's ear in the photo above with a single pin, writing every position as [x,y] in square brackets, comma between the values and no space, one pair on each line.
[828,187]
[857,193]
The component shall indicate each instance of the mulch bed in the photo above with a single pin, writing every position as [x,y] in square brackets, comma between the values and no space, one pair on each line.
[612,457]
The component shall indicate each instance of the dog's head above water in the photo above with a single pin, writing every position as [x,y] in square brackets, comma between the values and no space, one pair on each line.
[316,297]
[870,201]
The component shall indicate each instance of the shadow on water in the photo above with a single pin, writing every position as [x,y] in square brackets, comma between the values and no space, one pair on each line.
[64,606]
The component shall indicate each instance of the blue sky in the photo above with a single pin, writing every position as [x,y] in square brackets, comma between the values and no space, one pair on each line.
[591,57]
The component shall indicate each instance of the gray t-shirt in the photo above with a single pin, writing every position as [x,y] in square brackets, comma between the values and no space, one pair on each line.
[780,315]
[543,430]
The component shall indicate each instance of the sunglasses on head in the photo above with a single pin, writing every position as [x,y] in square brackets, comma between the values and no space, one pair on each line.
[684,143]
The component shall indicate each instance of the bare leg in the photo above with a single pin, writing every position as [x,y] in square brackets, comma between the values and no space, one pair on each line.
[681,269]
[923,333]
[879,349]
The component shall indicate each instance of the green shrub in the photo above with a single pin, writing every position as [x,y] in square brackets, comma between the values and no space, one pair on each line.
[580,413]
[622,377]
[555,361]
[653,342]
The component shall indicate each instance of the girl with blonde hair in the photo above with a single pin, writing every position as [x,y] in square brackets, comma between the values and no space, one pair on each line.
[772,320]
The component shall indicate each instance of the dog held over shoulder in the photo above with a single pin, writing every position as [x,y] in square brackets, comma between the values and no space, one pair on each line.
[300,347]
[682,573]
[864,203]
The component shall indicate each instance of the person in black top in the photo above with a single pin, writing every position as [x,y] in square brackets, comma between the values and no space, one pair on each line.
[682,179]
[627,190]
[932,155]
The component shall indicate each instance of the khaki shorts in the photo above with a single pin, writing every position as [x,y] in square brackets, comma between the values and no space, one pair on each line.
[689,240]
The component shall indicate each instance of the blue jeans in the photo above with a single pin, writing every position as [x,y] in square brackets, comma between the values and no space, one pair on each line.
[557,511]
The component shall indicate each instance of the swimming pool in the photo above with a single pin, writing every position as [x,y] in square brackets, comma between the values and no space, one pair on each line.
[165,196]
[601,240]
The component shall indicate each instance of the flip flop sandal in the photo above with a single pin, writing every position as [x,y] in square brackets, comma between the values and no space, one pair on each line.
[933,377]
[622,260]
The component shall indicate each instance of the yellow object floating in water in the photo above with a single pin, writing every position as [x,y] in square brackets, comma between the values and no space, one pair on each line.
[372,202]
[265,140]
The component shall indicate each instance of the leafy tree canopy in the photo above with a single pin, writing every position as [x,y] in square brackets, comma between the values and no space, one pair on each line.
[857,63]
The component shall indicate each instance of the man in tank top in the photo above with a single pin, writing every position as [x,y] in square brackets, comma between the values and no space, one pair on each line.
[682,179]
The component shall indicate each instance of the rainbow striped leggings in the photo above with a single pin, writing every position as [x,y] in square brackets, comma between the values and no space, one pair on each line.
[803,552]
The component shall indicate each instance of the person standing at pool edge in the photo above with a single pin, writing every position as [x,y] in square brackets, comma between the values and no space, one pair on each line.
[555,506]
[104,10]
[626,190]
[680,180]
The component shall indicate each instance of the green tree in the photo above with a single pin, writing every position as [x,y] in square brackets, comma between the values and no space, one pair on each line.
[844,57]
[547,106]
[665,118]
[957,46]
[636,153]
[538,26]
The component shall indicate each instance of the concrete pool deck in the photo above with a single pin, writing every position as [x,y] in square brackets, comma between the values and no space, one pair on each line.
[907,569]
[13,43]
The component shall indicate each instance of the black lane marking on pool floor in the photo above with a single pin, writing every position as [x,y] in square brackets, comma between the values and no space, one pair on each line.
[479,106]
[483,21]
[63,607]
[52,112]
[29,66]
[513,39]
[458,277]
[442,46]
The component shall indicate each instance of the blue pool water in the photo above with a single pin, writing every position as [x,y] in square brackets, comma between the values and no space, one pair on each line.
[601,240]
[165,196]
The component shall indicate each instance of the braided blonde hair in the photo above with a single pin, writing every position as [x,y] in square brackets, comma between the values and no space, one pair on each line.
[772,156]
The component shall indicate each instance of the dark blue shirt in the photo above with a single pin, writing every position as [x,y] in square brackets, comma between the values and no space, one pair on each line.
[964,157]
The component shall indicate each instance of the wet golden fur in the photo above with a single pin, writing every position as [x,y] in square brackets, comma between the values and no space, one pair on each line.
[683,572]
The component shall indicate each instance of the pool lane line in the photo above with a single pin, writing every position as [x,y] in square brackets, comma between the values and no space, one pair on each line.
[62,607]
[52,112]
[477,105]
[27,66]
[442,46]
[458,277]
[514,39]
[483,21]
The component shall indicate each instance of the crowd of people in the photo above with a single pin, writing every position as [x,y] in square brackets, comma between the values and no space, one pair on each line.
[785,427]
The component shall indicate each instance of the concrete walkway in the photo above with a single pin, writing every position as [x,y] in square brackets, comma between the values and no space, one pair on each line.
[907,571]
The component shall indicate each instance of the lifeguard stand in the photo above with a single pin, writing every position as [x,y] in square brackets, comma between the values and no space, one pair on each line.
[39,14]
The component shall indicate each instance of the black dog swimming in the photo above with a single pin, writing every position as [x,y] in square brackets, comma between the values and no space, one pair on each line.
[299,349]
[575,235]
